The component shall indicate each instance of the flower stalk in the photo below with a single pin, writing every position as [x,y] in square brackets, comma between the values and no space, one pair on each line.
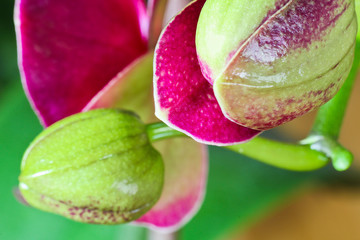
[159,131]
[294,157]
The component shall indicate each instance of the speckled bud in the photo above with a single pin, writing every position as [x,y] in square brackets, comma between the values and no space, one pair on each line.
[94,167]
[271,61]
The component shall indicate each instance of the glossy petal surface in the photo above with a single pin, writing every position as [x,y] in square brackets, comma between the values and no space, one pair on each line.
[68,50]
[183,97]
[186,163]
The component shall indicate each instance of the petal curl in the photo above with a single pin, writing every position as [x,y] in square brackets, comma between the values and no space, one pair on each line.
[186,162]
[69,50]
[183,98]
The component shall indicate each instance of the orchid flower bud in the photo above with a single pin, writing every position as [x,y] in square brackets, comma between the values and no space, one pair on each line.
[270,61]
[95,167]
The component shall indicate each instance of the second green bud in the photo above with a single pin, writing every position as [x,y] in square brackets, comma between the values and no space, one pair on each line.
[95,167]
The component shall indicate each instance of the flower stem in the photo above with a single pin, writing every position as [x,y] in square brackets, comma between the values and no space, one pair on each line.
[159,131]
[288,156]
[341,157]
[284,155]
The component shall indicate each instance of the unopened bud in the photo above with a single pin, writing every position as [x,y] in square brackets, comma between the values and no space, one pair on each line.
[95,167]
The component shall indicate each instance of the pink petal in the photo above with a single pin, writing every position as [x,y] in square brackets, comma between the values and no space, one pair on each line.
[186,163]
[186,167]
[69,50]
[183,97]
[131,89]
[19,197]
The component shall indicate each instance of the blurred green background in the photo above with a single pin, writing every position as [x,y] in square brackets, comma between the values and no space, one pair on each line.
[240,190]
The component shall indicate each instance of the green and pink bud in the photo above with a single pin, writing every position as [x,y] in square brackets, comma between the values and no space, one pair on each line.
[94,167]
[225,64]
[271,61]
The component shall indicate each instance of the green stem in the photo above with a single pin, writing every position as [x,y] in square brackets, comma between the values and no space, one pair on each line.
[341,158]
[284,155]
[159,131]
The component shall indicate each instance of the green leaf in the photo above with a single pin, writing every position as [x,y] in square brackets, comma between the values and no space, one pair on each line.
[8,66]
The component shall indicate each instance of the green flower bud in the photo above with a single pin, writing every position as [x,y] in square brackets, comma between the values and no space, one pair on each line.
[271,61]
[94,167]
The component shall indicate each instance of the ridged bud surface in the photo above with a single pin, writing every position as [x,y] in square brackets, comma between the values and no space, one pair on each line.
[95,167]
[271,61]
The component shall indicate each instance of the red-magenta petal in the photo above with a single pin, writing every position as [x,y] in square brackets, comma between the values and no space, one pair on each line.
[183,97]
[69,50]
[186,168]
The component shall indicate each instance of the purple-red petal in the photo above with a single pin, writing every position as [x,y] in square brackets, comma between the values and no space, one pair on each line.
[69,50]
[183,97]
